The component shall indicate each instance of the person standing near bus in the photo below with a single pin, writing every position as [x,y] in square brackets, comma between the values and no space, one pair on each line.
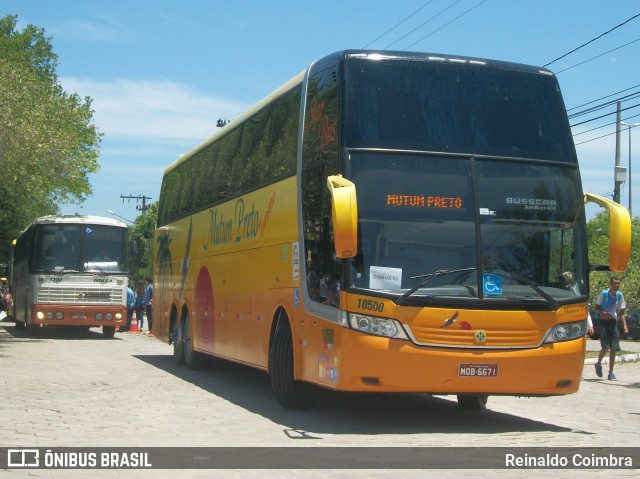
[140,306]
[148,302]
[610,306]
[131,303]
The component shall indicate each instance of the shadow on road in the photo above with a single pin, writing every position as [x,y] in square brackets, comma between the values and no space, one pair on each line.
[349,413]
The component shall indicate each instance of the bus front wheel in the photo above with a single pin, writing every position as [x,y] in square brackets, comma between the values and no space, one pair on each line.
[472,402]
[291,394]
[108,331]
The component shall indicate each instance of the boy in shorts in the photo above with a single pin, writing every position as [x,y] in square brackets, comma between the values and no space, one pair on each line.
[611,307]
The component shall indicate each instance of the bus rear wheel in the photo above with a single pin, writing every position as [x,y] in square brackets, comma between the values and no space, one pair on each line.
[472,402]
[193,359]
[291,394]
[177,338]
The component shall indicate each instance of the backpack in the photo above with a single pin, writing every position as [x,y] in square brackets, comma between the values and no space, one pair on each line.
[608,301]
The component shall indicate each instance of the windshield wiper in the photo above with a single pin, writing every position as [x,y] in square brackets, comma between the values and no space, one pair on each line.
[426,278]
[521,279]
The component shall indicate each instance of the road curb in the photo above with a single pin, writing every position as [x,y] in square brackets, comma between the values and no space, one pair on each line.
[625,358]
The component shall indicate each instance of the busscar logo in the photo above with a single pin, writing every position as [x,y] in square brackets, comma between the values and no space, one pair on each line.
[533,203]
[23,458]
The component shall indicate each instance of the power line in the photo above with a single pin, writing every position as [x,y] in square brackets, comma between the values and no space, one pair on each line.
[603,136]
[603,116]
[605,125]
[448,23]
[592,40]
[399,23]
[598,56]
[631,96]
[602,98]
[422,25]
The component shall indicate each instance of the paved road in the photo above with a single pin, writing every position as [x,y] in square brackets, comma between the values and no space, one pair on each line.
[65,389]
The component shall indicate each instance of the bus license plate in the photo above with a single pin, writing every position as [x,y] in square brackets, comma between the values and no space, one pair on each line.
[478,370]
[79,316]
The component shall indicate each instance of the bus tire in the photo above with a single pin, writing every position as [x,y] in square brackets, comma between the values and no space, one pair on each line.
[108,331]
[177,338]
[473,402]
[291,394]
[193,359]
[16,317]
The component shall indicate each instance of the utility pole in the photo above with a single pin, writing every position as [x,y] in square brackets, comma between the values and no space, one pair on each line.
[616,188]
[138,198]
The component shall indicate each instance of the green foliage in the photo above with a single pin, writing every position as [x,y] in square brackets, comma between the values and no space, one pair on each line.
[598,237]
[141,232]
[48,143]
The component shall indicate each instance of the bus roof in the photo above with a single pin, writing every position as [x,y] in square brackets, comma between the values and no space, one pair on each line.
[439,58]
[77,219]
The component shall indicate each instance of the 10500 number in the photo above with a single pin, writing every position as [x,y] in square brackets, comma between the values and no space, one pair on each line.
[370,305]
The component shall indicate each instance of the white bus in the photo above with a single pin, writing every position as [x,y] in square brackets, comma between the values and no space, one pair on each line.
[71,271]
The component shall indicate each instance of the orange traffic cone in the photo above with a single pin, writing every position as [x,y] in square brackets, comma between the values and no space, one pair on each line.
[134,323]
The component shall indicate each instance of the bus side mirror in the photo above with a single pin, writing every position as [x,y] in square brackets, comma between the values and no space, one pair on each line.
[619,231]
[344,210]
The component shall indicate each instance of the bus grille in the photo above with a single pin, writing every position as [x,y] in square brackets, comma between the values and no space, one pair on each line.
[80,295]
[467,338]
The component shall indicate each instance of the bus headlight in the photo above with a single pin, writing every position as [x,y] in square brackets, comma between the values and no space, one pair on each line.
[99,316]
[40,315]
[60,315]
[49,315]
[109,316]
[388,328]
[118,316]
[566,332]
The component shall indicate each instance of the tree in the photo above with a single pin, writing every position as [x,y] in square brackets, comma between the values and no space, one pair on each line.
[48,143]
[598,236]
[141,232]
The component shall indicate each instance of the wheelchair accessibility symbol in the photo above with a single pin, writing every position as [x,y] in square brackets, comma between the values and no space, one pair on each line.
[491,284]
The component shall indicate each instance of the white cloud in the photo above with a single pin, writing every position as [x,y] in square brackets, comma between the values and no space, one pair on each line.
[153,109]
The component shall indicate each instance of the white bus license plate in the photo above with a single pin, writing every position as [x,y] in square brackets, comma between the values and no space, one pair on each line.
[478,370]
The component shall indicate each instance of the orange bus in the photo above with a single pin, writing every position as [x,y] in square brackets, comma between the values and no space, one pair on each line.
[71,270]
[386,222]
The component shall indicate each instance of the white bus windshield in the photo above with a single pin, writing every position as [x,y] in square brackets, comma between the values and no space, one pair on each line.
[63,248]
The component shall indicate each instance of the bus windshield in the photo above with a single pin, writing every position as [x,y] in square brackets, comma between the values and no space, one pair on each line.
[517,233]
[80,248]
[456,108]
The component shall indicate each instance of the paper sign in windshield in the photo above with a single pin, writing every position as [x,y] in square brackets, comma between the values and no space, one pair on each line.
[385,278]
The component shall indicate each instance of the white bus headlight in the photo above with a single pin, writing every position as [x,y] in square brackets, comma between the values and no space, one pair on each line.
[566,332]
[388,328]
[49,315]
[99,316]
[60,315]
[109,316]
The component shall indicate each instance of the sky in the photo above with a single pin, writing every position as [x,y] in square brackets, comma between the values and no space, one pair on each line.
[161,73]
